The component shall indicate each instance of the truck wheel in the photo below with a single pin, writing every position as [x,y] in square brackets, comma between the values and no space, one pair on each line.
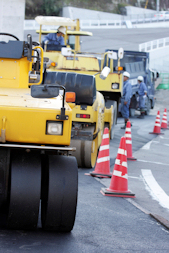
[147,112]
[132,112]
[59,193]
[114,103]
[25,190]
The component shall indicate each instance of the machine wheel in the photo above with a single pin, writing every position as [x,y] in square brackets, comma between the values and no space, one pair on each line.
[132,112]
[86,151]
[25,190]
[114,103]
[147,112]
[59,193]
[4,184]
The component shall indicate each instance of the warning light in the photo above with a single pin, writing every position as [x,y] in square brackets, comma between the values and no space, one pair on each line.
[83,116]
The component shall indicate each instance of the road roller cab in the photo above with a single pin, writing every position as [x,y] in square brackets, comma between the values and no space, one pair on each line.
[36,169]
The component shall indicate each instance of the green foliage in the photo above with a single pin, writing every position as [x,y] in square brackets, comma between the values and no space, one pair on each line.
[119,8]
[51,7]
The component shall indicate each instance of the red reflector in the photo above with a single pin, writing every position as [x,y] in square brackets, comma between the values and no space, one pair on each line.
[83,116]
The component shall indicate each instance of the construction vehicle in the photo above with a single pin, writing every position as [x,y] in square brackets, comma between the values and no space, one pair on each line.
[36,171]
[137,64]
[89,118]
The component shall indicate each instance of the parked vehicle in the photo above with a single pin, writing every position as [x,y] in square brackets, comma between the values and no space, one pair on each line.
[137,64]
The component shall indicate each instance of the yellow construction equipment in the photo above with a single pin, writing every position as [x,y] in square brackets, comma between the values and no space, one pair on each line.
[70,61]
[35,121]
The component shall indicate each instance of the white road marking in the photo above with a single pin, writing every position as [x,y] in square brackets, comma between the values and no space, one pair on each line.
[155,189]
[147,145]
[164,137]
[139,178]
[167,164]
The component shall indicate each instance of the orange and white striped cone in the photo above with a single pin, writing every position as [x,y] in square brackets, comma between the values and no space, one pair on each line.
[102,168]
[157,126]
[164,120]
[129,142]
[119,181]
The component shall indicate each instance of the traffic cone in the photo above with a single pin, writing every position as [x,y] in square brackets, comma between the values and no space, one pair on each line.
[102,168]
[164,120]
[129,142]
[157,127]
[119,181]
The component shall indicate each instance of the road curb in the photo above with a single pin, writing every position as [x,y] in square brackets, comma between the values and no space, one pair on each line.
[160,219]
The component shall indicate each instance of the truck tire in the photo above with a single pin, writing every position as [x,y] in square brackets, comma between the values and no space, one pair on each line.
[132,112]
[147,111]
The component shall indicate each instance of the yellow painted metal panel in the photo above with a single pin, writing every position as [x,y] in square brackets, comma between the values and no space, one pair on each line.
[27,116]
[14,73]
[28,125]
[8,69]
[106,85]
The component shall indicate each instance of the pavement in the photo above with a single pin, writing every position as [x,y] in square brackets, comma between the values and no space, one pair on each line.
[148,176]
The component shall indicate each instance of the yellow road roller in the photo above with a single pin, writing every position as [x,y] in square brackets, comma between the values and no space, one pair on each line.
[73,71]
[37,172]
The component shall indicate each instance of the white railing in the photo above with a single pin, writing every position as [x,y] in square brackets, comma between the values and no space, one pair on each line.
[94,24]
[153,45]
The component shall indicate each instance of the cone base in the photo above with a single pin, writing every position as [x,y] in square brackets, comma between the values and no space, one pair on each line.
[132,158]
[155,133]
[164,128]
[93,174]
[128,194]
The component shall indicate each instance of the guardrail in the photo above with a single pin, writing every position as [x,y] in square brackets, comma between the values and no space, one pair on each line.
[94,24]
[154,44]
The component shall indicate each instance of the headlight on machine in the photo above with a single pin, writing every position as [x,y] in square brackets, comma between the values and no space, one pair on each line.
[115,86]
[54,128]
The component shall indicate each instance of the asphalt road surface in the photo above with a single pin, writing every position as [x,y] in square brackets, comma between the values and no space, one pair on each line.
[129,39]
[107,224]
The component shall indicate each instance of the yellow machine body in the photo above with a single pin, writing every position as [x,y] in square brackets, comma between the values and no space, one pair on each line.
[97,115]
[26,117]
[23,117]
[71,59]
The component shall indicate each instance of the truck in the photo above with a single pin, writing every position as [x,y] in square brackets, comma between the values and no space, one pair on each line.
[137,64]
[37,172]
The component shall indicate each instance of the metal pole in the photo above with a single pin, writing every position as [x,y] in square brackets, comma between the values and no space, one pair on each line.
[157,6]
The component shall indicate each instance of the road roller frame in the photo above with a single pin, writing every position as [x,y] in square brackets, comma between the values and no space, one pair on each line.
[37,168]
[61,59]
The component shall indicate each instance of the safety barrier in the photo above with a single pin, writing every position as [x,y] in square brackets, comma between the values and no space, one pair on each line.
[154,44]
[94,24]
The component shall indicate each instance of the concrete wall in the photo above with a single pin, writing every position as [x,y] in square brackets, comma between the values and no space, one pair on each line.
[84,14]
[12,14]
[159,59]
[133,11]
